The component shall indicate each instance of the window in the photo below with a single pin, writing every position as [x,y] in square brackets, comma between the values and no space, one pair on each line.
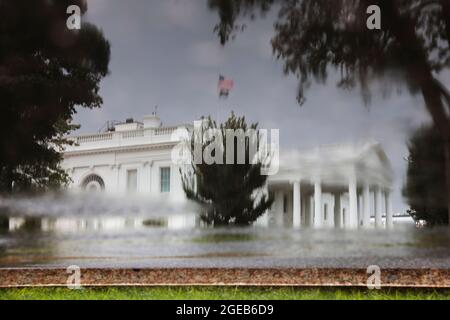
[165,179]
[325,212]
[132,181]
[93,183]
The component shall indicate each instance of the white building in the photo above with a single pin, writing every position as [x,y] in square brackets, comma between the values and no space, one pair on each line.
[342,186]
[134,158]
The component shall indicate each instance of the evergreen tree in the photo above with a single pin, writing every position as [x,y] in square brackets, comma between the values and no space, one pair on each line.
[230,193]
[425,179]
[46,70]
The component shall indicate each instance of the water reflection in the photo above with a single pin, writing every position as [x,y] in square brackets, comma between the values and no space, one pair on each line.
[136,242]
[161,237]
[73,225]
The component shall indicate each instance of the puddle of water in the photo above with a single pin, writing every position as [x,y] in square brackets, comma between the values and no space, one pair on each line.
[103,233]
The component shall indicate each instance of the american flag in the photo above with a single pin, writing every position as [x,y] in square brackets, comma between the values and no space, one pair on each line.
[224,86]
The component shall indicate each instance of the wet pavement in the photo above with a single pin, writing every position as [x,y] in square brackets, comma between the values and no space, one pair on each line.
[136,243]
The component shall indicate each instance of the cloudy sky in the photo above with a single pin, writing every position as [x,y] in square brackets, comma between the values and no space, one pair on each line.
[165,53]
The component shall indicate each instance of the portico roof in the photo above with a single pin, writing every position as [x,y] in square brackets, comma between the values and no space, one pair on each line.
[336,163]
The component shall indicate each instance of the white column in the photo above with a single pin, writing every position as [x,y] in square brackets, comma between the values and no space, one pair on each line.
[366,204]
[378,208]
[263,220]
[389,210]
[337,210]
[303,210]
[360,207]
[296,205]
[318,217]
[353,203]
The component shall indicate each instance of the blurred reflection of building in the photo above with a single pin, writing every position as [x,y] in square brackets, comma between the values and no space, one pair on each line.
[130,157]
[343,186]
[109,224]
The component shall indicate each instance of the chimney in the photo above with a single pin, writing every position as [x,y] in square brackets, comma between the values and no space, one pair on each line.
[152,121]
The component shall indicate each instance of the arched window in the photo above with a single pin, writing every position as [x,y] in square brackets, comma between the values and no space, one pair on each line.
[93,182]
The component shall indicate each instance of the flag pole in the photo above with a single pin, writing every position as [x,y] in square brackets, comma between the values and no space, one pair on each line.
[217,113]
[220,96]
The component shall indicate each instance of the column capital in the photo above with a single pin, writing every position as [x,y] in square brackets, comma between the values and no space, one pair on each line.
[316,179]
[387,190]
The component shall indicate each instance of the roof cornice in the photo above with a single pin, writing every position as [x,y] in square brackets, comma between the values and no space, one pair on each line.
[120,149]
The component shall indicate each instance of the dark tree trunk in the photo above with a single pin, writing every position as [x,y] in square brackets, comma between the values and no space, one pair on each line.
[447,169]
[9,178]
[403,29]
[4,224]
[446,13]
[435,106]
[434,102]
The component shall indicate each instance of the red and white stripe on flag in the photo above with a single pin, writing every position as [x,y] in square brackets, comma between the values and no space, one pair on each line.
[225,85]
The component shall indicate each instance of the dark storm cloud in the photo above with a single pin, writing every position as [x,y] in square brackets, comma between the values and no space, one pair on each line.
[165,53]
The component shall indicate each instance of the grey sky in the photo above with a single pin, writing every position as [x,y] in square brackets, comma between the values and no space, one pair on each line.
[165,53]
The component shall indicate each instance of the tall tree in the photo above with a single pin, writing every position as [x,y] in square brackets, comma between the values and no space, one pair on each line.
[314,36]
[425,181]
[230,193]
[46,70]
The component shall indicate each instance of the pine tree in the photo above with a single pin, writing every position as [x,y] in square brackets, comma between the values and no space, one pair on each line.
[229,193]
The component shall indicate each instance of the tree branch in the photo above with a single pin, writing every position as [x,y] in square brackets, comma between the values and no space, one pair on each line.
[445,93]
[415,11]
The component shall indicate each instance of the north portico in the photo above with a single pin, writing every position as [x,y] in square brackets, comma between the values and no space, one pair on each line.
[342,185]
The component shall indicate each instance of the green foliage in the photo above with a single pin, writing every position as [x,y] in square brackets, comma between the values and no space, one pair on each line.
[222,293]
[312,37]
[425,178]
[46,70]
[230,193]
[230,10]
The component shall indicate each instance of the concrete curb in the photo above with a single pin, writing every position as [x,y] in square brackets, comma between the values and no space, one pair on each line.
[305,277]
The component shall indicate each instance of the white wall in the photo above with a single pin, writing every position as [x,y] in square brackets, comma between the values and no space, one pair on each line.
[112,167]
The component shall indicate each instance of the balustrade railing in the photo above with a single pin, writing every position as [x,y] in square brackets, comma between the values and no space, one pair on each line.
[99,137]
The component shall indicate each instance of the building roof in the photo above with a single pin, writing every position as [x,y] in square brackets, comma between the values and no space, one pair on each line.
[336,163]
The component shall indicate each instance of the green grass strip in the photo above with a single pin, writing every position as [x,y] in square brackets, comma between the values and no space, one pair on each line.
[220,293]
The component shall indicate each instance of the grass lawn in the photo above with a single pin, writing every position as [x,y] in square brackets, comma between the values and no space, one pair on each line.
[225,293]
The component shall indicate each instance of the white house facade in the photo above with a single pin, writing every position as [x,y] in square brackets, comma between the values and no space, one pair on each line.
[334,186]
[134,158]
